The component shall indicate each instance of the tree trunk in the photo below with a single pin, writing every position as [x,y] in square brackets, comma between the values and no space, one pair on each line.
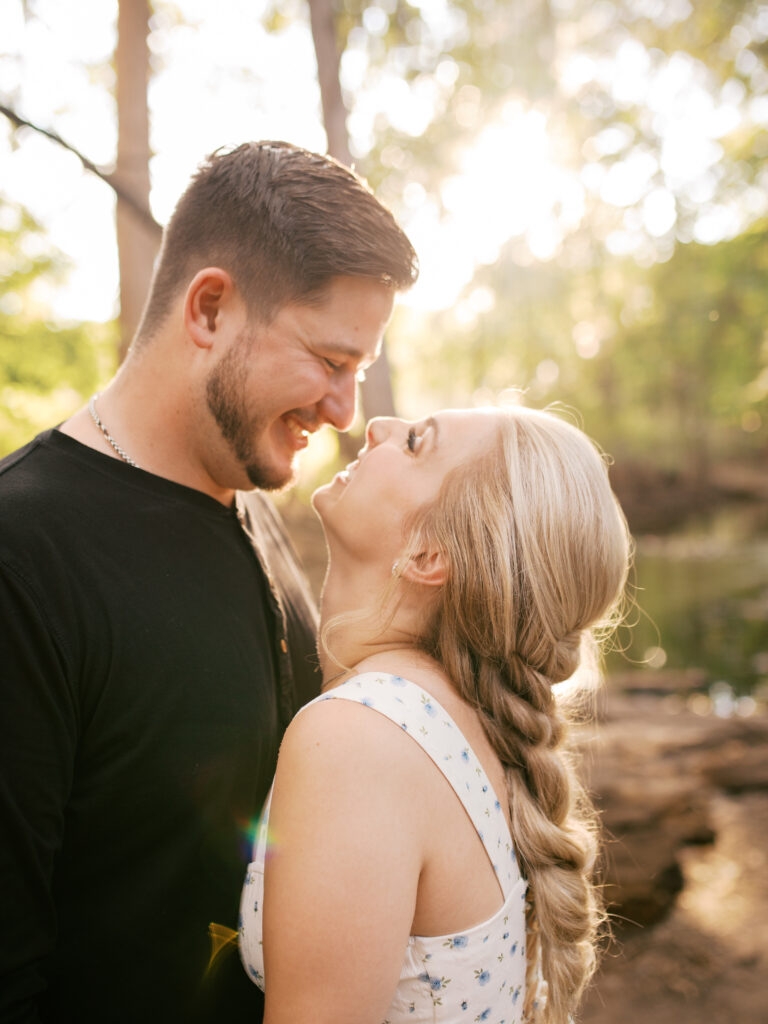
[376,390]
[137,244]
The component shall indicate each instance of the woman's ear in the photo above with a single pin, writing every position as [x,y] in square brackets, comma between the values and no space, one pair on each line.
[428,569]
[208,293]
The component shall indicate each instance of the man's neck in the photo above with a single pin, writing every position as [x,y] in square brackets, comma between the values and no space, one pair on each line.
[147,419]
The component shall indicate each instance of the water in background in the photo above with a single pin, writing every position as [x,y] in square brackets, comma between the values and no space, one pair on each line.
[703,601]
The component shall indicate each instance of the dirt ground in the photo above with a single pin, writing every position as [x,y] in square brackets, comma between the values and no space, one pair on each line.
[707,963]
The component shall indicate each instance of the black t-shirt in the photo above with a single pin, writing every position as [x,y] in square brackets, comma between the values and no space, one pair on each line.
[153,646]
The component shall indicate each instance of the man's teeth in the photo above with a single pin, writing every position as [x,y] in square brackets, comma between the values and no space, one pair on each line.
[296,428]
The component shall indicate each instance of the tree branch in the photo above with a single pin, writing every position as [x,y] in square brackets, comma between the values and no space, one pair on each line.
[138,208]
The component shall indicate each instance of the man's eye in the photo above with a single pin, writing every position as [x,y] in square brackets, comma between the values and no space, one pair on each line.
[333,366]
[411,440]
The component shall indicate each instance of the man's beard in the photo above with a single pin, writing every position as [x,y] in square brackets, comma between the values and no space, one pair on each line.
[225,393]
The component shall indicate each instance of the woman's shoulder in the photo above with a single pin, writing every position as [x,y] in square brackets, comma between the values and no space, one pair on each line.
[344,767]
[341,724]
[407,702]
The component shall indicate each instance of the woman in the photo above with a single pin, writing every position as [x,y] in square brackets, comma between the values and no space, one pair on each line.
[433,861]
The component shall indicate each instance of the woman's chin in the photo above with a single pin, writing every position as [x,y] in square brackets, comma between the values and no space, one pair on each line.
[319,507]
[323,498]
[316,500]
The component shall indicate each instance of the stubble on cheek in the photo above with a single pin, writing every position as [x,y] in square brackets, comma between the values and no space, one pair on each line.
[225,394]
[227,402]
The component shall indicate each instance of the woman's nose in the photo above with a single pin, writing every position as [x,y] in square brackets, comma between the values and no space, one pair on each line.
[379,429]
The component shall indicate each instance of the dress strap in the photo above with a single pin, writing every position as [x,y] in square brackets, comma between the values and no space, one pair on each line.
[429,724]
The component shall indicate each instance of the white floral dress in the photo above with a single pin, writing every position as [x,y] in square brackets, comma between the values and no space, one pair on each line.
[474,975]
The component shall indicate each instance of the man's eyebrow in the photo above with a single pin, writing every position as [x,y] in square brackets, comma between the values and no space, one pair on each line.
[344,348]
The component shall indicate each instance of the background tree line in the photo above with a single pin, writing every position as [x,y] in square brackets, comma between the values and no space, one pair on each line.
[646,308]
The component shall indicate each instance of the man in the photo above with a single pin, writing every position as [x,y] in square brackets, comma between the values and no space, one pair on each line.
[156,635]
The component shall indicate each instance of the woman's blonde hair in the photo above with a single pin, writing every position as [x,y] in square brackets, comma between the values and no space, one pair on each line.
[537,550]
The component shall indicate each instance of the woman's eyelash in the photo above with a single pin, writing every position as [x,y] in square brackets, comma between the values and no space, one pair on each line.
[412,440]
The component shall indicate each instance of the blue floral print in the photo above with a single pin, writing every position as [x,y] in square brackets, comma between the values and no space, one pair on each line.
[428,706]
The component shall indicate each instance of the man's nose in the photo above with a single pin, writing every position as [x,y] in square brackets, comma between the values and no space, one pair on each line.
[339,403]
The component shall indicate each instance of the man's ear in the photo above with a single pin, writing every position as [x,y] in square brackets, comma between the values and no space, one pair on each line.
[430,569]
[208,293]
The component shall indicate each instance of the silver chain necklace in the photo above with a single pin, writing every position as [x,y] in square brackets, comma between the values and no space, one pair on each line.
[95,417]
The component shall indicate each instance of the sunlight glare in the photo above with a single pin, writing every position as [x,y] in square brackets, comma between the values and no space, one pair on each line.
[221,77]
[659,212]
[586,338]
[627,181]
[717,222]
[508,185]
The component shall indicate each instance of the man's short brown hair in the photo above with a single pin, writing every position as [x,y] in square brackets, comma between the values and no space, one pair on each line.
[282,221]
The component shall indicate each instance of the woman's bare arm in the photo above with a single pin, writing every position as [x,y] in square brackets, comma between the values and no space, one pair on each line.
[346,841]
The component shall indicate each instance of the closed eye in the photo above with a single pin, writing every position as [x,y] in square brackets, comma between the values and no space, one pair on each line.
[334,367]
[411,442]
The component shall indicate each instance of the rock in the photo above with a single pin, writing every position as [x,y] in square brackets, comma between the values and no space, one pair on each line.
[708,960]
[653,766]
[648,816]
[738,767]
[660,681]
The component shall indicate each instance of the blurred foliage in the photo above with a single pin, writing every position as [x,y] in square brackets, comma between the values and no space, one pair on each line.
[47,369]
[667,363]
[473,56]
[658,340]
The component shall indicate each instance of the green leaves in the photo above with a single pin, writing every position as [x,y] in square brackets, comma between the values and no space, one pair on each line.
[47,369]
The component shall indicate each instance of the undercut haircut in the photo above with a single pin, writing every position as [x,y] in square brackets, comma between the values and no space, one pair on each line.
[282,221]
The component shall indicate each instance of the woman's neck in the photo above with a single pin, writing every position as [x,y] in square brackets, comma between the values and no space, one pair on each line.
[366,622]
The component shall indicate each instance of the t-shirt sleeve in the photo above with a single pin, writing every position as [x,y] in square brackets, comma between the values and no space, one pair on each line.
[38,732]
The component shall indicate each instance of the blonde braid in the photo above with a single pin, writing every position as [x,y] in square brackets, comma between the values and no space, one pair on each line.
[551,825]
[538,552]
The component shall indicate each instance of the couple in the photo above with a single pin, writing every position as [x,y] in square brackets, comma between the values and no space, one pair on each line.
[426,853]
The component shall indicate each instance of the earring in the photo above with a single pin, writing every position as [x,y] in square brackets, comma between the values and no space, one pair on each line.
[395,567]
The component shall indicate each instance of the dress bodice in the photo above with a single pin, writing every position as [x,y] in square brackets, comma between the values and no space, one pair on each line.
[477,974]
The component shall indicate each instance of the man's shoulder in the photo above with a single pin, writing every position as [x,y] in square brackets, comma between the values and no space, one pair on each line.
[39,495]
[23,477]
[51,464]
[16,459]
